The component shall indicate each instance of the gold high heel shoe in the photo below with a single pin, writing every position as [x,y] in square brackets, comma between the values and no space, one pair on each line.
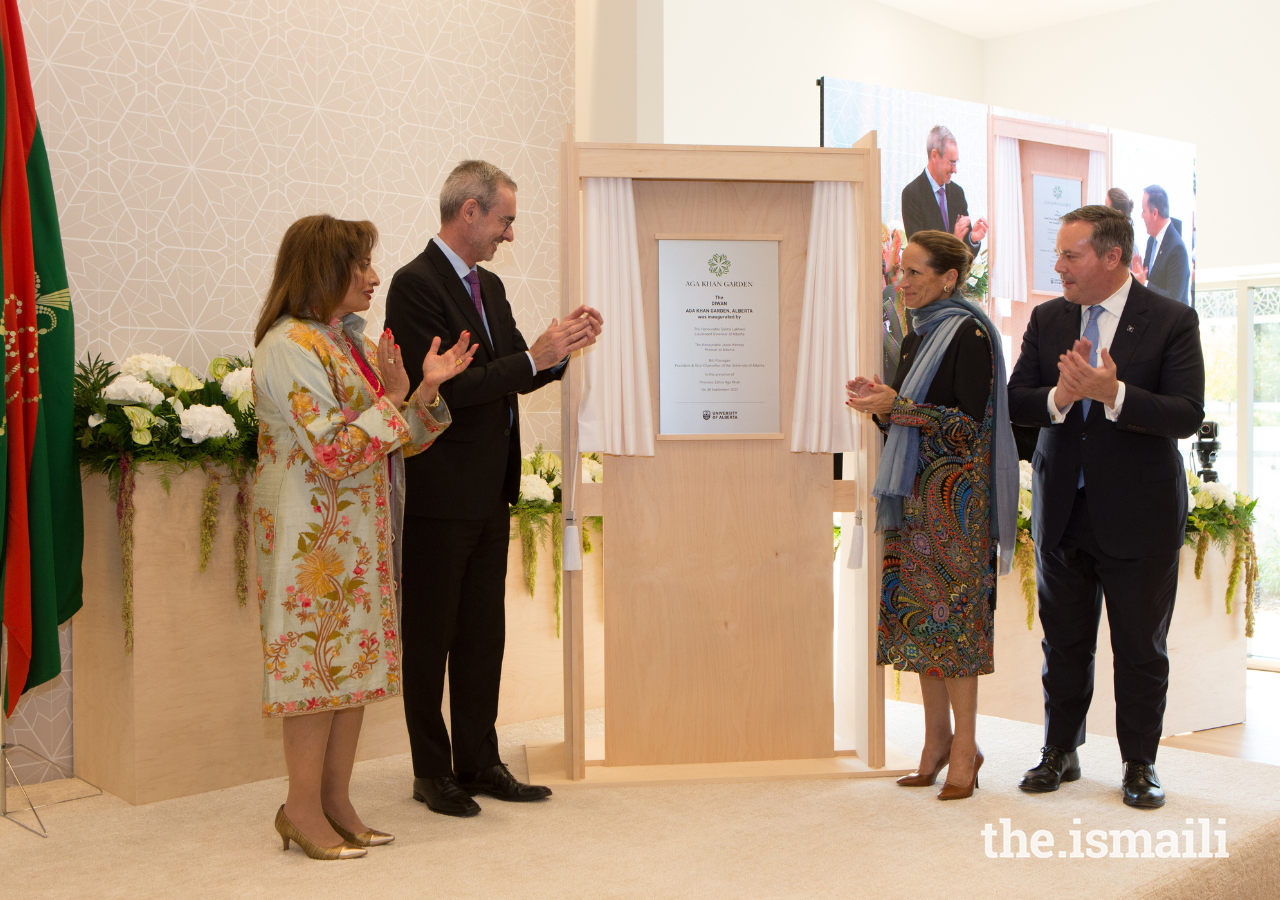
[952,791]
[289,832]
[368,838]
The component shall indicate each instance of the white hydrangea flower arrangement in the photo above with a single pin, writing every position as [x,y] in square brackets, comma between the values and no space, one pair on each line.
[149,366]
[200,423]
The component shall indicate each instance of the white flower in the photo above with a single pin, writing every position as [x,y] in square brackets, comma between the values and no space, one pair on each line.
[184,379]
[128,389]
[141,436]
[177,405]
[199,423]
[139,417]
[219,366]
[1193,481]
[149,365]
[1025,473]
[533,487]
[238,387]
[592,471]
[1219,492]
[95,420]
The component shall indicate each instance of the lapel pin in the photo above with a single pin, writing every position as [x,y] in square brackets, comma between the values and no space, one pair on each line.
[1130,329]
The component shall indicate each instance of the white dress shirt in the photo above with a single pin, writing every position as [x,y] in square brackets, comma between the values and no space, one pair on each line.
[463,270]
[1108,320]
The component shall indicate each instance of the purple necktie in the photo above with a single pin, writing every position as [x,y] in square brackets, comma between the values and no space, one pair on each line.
[473,280]
[942,204]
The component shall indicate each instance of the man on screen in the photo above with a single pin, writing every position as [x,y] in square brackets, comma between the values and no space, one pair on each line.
[934,201]
[1165,267]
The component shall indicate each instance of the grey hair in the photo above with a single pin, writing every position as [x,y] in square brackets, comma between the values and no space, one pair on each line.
[471,179]
[1111,228]
[939,137]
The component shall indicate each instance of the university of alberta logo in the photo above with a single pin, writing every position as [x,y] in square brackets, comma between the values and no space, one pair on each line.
[718,265]
[706,414]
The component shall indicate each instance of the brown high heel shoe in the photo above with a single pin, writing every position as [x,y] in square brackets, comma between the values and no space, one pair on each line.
[925,779]
[368,838]
[952,791]
[289,832]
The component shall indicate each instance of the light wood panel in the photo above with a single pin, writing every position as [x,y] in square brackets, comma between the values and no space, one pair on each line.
[1257,738]
[570,395]
[696,163]
[544,768]
[182,715]
[1046,133]
[718,237]
[720,564]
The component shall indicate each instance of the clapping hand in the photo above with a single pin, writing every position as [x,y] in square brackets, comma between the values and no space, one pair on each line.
[1139,271]
[395,380]
[437,368]
[575,331]
[962,226]
[979,231]
[870,395]
[1077,380]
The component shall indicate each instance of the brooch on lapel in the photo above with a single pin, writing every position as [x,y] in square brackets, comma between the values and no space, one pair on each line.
[1130,329]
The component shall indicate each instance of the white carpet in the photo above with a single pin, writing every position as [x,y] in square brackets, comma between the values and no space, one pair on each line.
[810,839]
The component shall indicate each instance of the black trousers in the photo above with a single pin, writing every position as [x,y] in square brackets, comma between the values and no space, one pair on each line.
[1072,581]
[455,573]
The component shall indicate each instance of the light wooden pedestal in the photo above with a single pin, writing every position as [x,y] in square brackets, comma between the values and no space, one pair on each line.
[1206,658]
[182,715]
[546,766]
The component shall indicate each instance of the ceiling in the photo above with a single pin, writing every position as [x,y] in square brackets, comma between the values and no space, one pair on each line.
[987,19]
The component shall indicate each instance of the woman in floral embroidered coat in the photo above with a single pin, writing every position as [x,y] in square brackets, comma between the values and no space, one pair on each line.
[333,432]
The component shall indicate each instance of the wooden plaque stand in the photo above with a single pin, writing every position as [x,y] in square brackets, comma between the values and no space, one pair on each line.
[718,575]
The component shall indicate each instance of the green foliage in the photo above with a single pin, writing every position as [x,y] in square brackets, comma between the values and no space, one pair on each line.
[103,444]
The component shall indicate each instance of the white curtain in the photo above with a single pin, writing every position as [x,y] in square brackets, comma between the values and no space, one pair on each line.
[615,416]
[1097,178]
[1009,234]
[820,422]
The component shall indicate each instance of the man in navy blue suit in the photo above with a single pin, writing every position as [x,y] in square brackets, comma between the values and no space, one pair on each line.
[1165,266]
[1114,374]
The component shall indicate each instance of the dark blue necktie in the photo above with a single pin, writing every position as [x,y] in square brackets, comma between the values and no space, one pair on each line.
[1151,247]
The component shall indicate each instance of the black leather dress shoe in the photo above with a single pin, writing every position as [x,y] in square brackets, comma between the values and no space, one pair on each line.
[1142,786]
[497,781]
[1056,766]
[443,795]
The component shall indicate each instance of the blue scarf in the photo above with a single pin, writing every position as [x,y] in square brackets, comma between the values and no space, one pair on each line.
[938,322]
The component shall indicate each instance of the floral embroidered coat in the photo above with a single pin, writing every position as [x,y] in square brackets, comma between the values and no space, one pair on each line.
[328,505]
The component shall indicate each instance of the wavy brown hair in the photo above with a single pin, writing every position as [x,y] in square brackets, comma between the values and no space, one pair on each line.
[317,257]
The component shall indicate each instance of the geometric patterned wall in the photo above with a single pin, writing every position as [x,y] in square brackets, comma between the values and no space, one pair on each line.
[185,137]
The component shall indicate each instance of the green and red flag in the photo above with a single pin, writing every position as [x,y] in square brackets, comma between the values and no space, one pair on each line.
[43,520]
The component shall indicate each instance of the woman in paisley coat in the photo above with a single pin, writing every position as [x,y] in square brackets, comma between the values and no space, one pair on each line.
[335,424]
[944,500]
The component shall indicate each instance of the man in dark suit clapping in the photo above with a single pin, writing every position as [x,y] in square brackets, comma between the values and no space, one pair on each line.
[1114,374]
[934,202]
[458,493]
[1165,267]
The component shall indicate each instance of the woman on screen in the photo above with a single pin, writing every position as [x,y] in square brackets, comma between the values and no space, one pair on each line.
[947,491]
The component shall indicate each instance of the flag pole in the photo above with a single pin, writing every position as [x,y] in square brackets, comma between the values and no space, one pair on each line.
[6,767]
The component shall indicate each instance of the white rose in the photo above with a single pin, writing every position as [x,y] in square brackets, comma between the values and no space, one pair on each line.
[1221,493]
[1025,474]
[533,487]
[592,471]
[128,389]
[149,365]
[199,423]
[238,387]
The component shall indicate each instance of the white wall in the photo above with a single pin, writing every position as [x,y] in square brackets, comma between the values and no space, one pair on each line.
[1206,77]
[744,71]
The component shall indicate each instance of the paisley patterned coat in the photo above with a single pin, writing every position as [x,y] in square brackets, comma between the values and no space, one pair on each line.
[328,505]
